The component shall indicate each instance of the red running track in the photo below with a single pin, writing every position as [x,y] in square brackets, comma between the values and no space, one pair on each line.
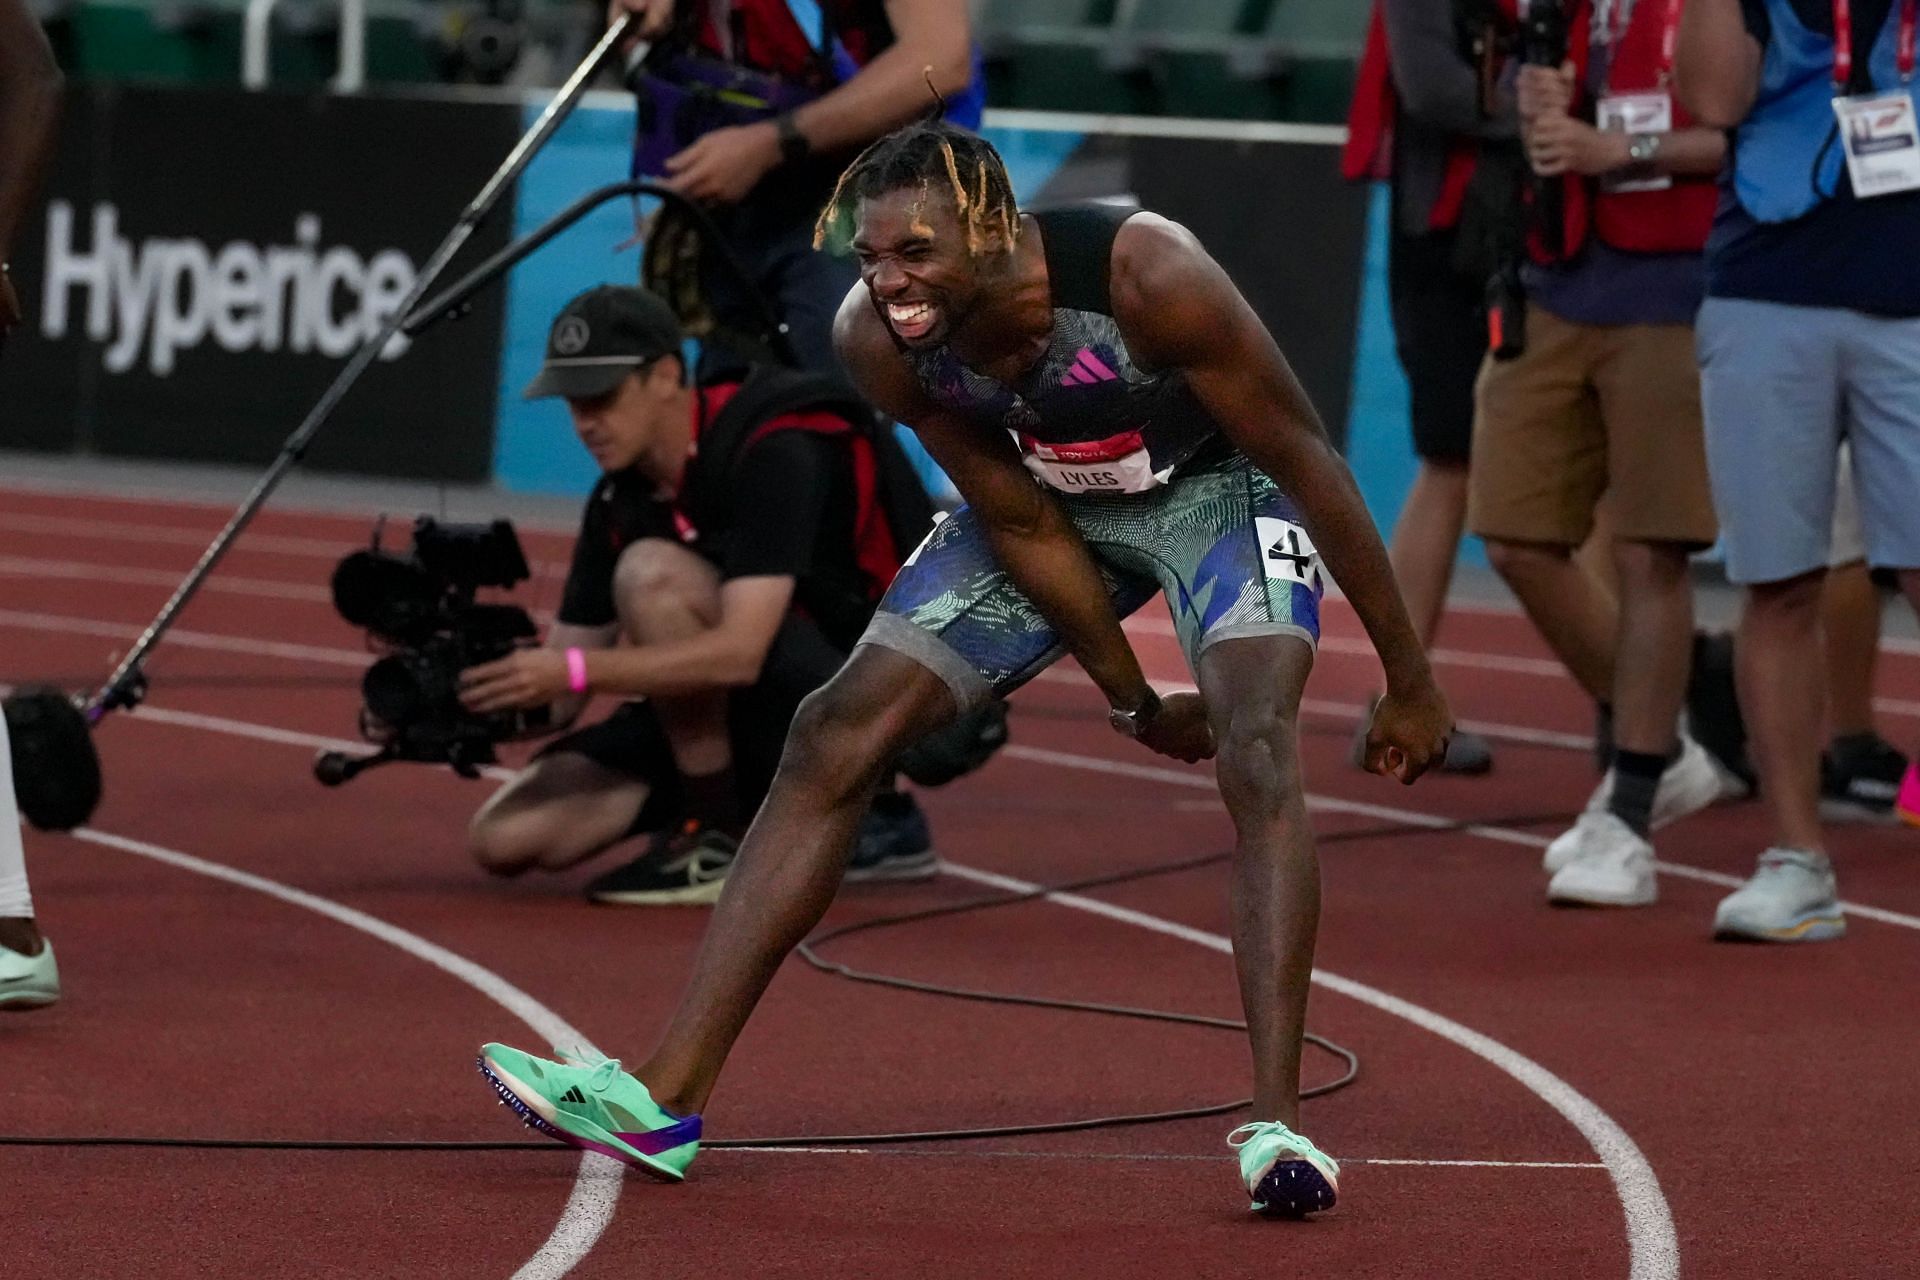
[1543,1093]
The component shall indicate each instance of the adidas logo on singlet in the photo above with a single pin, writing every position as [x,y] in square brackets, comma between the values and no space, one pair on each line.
[1087,370]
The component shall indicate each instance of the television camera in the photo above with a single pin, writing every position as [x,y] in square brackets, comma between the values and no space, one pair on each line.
[421,609]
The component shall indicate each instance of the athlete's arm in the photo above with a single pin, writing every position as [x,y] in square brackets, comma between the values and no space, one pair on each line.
[1178,311]
[30,84]
[1716,63]
[730,655]
[1030,536]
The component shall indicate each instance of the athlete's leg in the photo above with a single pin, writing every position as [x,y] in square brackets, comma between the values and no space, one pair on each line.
[793,856]
[1252,687]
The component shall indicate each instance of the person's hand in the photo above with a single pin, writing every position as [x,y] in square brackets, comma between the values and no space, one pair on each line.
[1179,729]
[9,304]
[1543,91]
[1408,733]
[1561,144]
[524,678]
[651,19]
[722,166]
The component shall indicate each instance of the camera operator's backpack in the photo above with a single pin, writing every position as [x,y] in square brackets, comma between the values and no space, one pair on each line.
[894,512]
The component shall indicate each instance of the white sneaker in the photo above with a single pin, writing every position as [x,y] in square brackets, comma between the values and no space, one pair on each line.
[1692,782]
[1791,898]
[1609,867]
[28,982]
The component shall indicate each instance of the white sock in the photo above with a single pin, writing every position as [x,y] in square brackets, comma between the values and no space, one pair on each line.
[16,903]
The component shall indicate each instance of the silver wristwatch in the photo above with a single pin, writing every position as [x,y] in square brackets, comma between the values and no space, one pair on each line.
[1643,147]
[1134,723]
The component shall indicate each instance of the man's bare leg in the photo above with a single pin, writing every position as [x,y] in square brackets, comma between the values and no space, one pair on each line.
[1655,647]
[1850,618]
[1577,618]
[561,810]
[1426,540]
[792,858]
[1253,687]
[1778,650]
[666,593]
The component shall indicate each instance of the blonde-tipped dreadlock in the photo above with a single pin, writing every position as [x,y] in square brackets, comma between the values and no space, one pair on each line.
[917,156]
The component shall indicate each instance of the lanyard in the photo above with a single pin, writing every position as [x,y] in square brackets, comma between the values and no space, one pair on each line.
[1615,27]
[1904,54]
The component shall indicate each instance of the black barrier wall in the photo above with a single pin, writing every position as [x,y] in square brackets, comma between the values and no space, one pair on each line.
[206,261]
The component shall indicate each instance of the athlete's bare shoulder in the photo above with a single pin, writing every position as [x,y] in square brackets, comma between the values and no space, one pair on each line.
[1168,293]
[867,352]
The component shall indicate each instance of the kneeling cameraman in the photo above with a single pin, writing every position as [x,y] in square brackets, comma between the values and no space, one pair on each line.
[727,562]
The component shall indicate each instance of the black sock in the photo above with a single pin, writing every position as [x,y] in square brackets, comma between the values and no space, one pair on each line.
[713,800]
[1850,749]
[1636,777]
[1602,736]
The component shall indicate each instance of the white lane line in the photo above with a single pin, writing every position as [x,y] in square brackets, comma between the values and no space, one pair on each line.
[1654,1249]
[185,639]
[596,1188]
[1331,804]
[82,571]
[174,535]
[1138,1157]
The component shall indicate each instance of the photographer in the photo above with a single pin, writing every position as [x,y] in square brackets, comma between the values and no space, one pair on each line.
[869,67]
[725,567]
[1604,398]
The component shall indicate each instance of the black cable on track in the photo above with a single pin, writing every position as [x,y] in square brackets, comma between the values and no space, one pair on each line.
[808,951]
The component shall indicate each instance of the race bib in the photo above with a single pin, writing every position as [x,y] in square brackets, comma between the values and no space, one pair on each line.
[1118,465]
[1882,141]
[1286,552]
[1632,113]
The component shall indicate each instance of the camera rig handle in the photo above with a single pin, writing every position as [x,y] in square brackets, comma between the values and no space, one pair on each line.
[455,301]
[126,687]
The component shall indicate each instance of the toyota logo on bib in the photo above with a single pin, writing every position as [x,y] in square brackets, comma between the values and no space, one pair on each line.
[570,336]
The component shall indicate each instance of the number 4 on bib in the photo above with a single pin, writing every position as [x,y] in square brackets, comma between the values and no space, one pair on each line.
[1286,551]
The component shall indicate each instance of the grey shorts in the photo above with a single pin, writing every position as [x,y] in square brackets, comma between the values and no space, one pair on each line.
[1781,387]
[1221,541]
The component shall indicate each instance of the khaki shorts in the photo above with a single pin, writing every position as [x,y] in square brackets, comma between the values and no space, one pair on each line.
[1587,410]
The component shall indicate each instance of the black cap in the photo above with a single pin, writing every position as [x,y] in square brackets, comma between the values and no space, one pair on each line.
[602,336]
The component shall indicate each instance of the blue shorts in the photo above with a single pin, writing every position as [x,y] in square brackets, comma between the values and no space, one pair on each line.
[1220,540]
[1781,387]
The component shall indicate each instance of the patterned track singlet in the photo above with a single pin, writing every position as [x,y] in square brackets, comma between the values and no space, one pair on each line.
[1143,471]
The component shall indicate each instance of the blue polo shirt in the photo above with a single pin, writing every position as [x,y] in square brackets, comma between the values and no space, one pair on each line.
[1848,253]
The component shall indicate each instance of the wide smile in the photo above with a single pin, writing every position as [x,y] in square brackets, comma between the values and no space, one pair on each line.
[912,320]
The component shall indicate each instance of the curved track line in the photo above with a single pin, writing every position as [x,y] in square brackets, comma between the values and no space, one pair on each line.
[1654,1249]
[596,1189]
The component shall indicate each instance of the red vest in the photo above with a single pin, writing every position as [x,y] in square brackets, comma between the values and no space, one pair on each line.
[1370,121]
[1675,220]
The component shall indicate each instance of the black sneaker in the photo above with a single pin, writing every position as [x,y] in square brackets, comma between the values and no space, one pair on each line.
[688,870]
[894,843]
[1862,782]
[1713,706]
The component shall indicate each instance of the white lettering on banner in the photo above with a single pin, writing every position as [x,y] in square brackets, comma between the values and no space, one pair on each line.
[166,296]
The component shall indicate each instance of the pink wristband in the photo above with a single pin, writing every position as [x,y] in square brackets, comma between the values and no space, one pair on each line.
[577,670]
